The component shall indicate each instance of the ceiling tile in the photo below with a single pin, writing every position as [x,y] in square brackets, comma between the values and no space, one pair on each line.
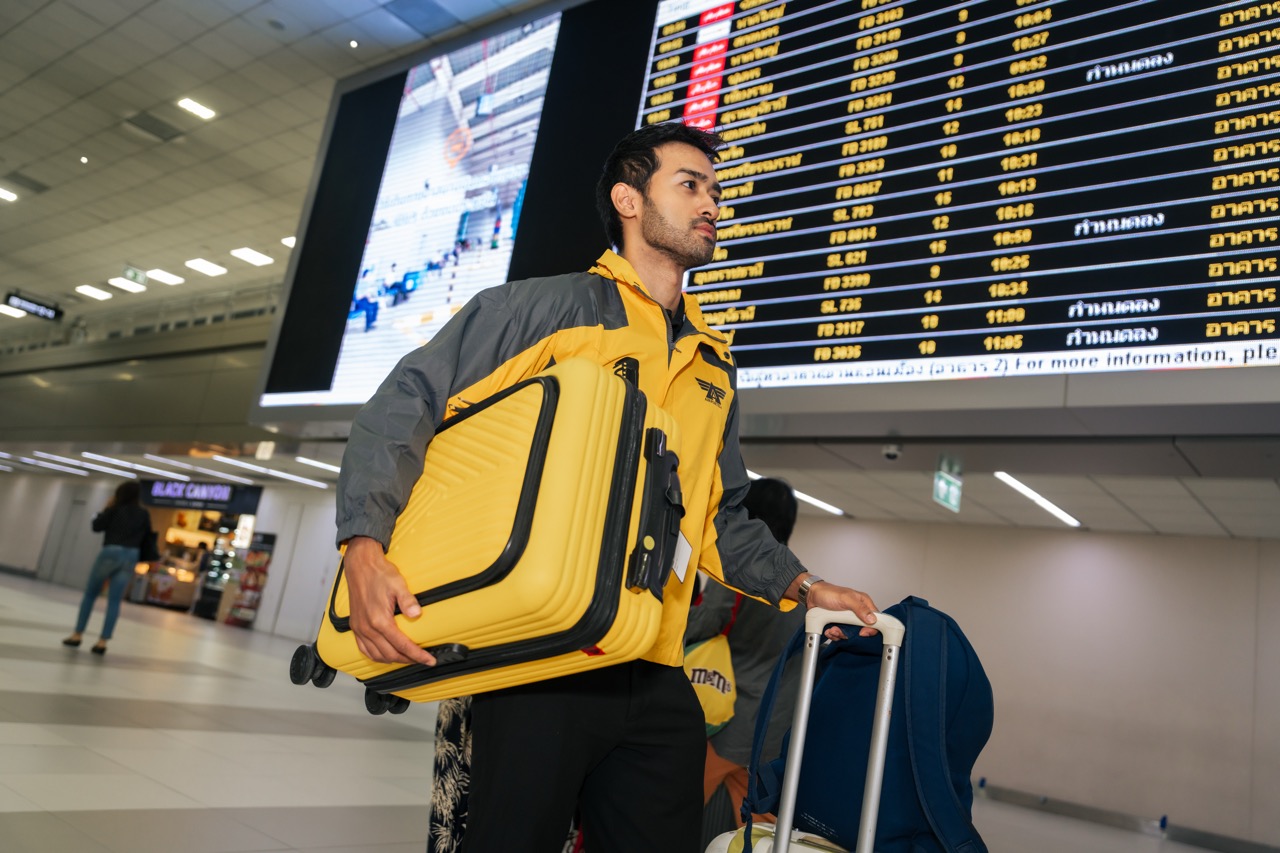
[172,18]
[67,25]
[1266,490]
[107,13]
[1125,487]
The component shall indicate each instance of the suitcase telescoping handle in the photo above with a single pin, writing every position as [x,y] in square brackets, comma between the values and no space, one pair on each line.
[815,623]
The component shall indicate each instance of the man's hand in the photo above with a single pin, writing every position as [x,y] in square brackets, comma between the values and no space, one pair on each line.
[375,587]
[832,597]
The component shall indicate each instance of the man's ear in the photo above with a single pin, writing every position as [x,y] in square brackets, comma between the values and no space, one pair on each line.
[626,200]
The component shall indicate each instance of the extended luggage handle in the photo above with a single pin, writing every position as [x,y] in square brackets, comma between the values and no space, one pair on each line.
[817,619]
[815,622]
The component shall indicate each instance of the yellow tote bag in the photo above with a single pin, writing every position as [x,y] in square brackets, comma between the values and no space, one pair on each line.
[710,671]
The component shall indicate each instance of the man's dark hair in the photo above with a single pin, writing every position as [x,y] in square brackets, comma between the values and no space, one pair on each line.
[634,160]
[127,493]
[774,503]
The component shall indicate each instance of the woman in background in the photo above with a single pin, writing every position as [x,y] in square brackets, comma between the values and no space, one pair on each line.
[125,524]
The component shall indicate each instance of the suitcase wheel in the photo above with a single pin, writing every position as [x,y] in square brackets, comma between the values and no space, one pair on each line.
[322,675]
[377,703]
[306,667]
[302,666]
[381,703]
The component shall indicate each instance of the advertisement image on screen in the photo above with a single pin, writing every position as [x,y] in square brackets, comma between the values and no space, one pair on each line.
[448,205]
[921,191]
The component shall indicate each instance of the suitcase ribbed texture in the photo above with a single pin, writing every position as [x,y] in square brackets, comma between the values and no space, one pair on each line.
[526,512]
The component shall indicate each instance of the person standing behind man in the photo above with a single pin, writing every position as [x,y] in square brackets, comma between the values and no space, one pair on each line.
[624,743]
[125,523]
[757,635]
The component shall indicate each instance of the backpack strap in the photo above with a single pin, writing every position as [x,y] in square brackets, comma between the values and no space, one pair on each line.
[924,686]
[754,795]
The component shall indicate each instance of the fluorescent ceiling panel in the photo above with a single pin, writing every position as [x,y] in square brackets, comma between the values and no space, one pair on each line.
[206,267]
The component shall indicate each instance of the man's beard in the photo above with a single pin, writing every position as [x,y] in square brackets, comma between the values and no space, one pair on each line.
[685,246]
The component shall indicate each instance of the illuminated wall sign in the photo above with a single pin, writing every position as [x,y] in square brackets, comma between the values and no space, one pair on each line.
[223,497]
[34,307]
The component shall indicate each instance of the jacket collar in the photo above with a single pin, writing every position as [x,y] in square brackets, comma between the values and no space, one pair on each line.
[613,266]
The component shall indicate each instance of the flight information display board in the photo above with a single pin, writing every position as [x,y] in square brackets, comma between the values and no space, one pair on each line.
[918,190]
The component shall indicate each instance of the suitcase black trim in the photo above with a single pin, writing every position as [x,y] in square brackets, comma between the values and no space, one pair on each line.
[523,522]
[599,615]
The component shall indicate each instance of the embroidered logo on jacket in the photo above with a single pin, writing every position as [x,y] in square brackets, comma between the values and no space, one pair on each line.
[714,394]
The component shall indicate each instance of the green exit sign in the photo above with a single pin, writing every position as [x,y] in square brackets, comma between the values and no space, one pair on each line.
[135,275]
[946,481]
[946,490]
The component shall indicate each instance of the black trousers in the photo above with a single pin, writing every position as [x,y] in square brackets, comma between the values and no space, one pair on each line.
[625,744]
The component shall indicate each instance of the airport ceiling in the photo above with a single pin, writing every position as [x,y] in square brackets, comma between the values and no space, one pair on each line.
[109,172]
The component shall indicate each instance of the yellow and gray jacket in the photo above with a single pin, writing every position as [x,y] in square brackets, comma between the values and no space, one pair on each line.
[511,332]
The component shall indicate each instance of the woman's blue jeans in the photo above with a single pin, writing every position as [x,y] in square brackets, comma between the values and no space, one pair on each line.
[114,562]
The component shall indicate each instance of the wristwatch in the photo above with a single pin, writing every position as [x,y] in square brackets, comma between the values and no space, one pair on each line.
[802,594]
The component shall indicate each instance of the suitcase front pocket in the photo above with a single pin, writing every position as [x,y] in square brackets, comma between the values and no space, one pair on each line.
[595,622]
[483,475]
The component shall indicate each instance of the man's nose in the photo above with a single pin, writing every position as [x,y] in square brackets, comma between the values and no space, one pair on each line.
[710,209]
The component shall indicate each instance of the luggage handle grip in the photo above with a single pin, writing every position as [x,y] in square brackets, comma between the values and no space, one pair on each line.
[818,618]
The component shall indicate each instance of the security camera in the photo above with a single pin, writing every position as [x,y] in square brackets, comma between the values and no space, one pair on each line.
[891,452]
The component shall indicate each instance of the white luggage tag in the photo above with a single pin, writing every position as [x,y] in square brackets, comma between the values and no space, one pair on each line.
[680,562]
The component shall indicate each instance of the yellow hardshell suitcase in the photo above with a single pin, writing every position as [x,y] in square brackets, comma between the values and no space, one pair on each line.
[538,541]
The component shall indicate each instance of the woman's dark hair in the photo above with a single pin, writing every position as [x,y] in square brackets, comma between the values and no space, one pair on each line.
[127,493]
[774,503]
[635,159]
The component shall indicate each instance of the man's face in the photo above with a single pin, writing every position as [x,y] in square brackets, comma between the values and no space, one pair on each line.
[681,205]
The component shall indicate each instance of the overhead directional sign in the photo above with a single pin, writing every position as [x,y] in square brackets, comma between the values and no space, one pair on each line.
[47,310]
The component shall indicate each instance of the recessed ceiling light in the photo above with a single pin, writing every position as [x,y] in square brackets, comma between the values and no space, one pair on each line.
[104,469]
[251,257]
[39,463]
[206,267]
[125,284]
[354,43]
[165,277]
[12,312]
[317,464]
[7,196]
[173,475]
[155,458]
[224,476]
[1035,497]
[93,292]
[197,108]
[84,159]
[809,499]
[239,464]
[289,241]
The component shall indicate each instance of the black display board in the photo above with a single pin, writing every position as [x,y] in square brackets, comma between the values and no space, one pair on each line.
[919,190]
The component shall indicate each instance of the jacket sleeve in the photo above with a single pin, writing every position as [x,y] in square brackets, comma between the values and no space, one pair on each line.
[102,519]
[711,615]
[482,349]
[742,553]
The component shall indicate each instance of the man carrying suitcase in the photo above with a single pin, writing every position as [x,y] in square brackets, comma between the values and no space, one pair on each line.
[625,744]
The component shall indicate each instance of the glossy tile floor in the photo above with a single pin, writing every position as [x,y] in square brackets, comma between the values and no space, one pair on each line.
[187,737]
